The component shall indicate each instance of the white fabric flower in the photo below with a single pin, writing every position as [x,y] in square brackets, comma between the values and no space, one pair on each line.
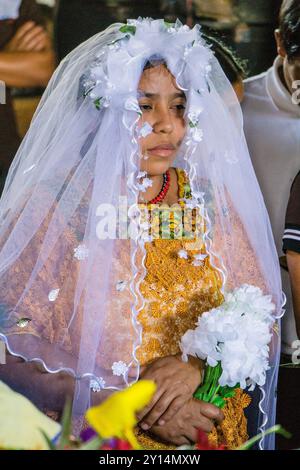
[145,130]
[53,294]
[194,116]
[197,135]
[81,252]
[199,260]
[183,254]
[141,174]
[146,183]
[132,104]
[119,368]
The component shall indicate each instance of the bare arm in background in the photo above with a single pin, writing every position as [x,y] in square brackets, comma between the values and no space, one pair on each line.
[28,59]
[293,261]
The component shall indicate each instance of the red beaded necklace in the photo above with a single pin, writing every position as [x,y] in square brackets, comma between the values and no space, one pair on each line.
[165,188]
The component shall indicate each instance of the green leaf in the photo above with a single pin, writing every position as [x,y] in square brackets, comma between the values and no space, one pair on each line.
[92,444]
[277,429]
[219,402]
[97,103]
[227,392]
[48,440]
[66,425]
[127,28]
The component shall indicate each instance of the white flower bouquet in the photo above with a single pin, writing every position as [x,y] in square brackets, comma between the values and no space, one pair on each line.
[234,340]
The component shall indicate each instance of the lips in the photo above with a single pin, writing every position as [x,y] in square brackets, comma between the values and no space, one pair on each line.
[163,150]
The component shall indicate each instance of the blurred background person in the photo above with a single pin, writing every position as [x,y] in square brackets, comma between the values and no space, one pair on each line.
[272,128]
[26,61]
[291,246]
[289,377]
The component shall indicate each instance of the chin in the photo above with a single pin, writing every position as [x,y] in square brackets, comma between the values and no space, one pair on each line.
[156,168]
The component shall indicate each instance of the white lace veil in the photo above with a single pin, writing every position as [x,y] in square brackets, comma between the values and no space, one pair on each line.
[69,281]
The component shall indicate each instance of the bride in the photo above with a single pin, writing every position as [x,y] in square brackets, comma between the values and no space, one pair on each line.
[130,209]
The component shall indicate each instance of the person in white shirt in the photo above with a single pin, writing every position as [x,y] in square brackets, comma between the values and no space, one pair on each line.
[272,128]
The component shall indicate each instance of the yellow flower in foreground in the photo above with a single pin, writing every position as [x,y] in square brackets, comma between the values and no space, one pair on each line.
[116,417]
[21,422]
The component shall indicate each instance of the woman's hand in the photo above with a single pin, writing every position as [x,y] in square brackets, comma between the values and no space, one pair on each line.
[29,38]
[183,428]
[176,383]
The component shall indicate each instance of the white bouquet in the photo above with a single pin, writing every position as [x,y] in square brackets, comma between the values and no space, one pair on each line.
[234,340]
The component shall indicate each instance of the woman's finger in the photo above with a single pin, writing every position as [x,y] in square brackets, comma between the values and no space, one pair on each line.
[157,411]
[191,433]
[203,423]
[31,35]
[24,29]
[211,412]
[141,414]
[173,409]
[38,41]
[39,46]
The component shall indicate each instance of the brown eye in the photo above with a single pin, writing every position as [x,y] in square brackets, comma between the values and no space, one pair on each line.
[179,107]
[145,107]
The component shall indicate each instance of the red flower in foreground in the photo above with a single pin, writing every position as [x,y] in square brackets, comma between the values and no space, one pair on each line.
[203,443]
[116,444]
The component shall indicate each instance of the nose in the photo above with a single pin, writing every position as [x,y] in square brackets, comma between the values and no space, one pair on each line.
[163,122]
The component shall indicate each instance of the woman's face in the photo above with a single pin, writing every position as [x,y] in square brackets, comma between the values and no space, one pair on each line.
[163,105]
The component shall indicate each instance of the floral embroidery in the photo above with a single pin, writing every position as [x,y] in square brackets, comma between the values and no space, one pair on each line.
[97,385]
[119,368]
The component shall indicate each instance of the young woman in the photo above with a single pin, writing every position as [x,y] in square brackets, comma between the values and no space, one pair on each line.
[130,209]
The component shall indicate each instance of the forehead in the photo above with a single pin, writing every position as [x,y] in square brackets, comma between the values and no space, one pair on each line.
[158,80]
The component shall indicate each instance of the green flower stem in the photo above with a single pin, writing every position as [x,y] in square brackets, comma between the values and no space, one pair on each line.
[211,391]
[215,394]
[276,429]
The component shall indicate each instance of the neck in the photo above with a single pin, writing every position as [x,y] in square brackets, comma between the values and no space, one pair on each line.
[152,192]
[283,78]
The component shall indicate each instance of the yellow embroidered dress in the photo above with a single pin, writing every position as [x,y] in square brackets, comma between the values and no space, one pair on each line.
[177,290]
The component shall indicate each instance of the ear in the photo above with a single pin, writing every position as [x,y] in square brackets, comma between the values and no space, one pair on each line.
[280,47]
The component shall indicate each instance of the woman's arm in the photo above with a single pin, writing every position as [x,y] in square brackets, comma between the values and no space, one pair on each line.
[46,391]
[26,69]
[293,261]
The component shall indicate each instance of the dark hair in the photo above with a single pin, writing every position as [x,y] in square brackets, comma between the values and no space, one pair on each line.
[289,25]
[234,68]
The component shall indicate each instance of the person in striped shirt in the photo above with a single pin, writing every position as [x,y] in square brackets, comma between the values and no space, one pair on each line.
[291,246]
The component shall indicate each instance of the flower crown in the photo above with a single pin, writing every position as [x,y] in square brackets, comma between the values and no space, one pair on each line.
[113,76]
